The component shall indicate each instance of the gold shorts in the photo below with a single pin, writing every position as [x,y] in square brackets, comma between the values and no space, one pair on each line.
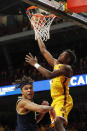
[62,109]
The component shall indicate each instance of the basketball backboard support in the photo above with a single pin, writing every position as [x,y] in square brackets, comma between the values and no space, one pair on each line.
[52,7]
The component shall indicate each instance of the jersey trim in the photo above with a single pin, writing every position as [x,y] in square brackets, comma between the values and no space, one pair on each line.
[64,95]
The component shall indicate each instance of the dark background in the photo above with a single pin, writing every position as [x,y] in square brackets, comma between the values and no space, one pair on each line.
[12,54]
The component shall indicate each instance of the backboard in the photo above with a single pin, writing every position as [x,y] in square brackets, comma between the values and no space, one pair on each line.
[52,7]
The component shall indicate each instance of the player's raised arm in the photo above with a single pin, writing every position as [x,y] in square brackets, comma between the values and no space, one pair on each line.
[65,70]
[46,53]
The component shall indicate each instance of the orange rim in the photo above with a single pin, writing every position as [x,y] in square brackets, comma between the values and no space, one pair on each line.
[39,14]
[32,7]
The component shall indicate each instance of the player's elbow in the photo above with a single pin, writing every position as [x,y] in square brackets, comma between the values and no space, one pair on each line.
[48,75]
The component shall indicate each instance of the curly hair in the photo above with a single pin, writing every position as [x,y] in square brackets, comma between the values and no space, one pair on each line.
[19,83]
[72,56]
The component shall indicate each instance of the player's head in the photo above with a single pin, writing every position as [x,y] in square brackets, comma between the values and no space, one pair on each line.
[27,91]
[67,57]
[26,85]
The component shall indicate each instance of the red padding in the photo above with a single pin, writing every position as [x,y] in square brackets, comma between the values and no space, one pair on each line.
[77,6]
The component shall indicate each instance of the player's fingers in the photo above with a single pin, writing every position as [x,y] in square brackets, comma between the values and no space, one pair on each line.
[28,57]
[45,103]
[27,61]
[30,54]
[35,58]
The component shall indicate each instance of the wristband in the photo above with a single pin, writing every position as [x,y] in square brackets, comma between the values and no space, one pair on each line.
[36,65]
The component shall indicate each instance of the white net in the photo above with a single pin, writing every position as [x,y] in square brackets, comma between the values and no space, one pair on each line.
[41,25]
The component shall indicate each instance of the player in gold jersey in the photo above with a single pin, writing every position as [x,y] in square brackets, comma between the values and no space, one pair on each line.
[62,101]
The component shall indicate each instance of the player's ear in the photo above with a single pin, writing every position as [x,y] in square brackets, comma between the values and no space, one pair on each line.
[22,91]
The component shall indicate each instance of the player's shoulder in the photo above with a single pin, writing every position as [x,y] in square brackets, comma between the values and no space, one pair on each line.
[21,102]
[68,69]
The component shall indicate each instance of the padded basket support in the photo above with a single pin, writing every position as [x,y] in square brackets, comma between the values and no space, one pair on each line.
[77,6]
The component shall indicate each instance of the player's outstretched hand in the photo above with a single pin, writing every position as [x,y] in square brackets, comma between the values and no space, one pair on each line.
[31,59]
[45,103]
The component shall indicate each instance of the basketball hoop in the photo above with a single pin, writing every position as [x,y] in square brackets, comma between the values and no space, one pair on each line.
[40,22]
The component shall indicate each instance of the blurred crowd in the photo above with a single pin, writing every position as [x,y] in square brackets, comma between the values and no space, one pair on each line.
[80,126]
[17,26]
[26,70]
[81,66]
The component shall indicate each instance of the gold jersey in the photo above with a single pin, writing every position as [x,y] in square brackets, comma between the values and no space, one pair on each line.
[60,84]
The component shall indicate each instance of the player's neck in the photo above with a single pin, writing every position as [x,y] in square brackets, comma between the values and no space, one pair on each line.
[58,62]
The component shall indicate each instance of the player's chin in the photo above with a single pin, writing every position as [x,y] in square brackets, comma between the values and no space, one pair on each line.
[29,97]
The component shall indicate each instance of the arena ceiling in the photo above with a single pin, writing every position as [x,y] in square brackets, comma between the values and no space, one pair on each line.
[11,7]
